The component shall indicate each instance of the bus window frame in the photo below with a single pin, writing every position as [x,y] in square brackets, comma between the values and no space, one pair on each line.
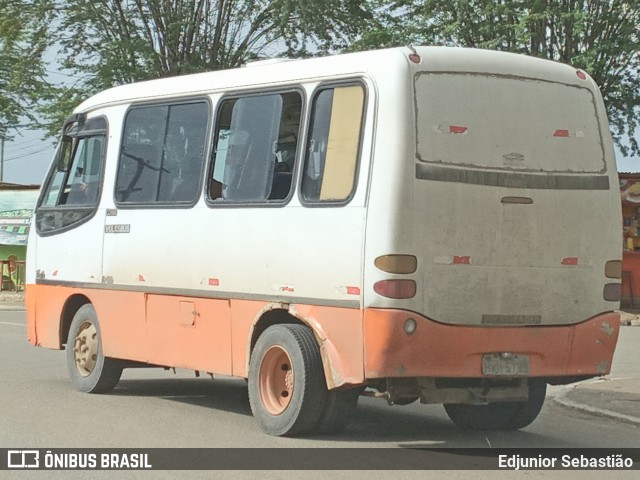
[302,132]
[44,192]
[347,82]
[168,102]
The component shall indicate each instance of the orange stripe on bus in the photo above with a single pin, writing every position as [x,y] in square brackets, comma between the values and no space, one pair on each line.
[211,335]
[442,350]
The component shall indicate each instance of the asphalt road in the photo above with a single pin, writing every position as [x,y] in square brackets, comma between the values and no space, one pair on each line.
[155,408]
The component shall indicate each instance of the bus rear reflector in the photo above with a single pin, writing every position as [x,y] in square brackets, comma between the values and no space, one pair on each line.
[461,260]
[569,261]
[397,263]
[396,288]
[612,292]
[561,133]
[613,269]
[457,129]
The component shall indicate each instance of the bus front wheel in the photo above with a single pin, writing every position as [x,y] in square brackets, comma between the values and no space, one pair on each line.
[500,416]
[89,369]
[287,390]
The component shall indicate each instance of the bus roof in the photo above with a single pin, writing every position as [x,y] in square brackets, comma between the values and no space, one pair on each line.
[379,64]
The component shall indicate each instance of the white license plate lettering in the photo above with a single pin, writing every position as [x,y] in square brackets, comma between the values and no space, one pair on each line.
[508,366]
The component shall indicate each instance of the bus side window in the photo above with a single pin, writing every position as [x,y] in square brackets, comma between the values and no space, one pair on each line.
[333,145]
[71,191]
[256,144]
[57,177]
[84,178]
[162,154]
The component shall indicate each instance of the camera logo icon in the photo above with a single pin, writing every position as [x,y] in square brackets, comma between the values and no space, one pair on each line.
[23,459]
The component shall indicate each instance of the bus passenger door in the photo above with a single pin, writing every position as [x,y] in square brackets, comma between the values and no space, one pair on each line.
[151,256]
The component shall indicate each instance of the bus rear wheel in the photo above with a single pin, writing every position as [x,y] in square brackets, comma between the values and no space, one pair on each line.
[500,416]
[341,406]
[287,390]
[89,369]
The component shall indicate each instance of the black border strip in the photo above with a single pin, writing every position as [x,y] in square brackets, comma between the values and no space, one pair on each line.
[512,179]
[308,459]
[201,293]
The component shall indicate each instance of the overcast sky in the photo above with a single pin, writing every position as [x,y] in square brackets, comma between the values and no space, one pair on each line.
[27,158]
[28,155]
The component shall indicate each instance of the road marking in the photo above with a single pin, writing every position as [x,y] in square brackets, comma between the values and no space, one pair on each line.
[13,324]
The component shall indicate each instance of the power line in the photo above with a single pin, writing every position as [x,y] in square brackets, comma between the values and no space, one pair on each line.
[24,155]
[22,145]
[64,74]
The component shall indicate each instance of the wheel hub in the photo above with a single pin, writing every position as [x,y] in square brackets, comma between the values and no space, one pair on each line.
[85,349]
[276,380]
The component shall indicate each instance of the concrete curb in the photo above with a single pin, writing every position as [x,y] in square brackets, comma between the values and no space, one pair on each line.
[11,308]
[561,399]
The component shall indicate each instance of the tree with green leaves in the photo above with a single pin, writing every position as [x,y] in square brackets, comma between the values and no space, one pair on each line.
[599,36]
[23,40]
[112,42]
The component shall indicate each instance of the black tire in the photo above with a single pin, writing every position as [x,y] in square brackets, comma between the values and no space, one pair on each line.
[89,370]
[502,415]
[341,405]
[528,411]
[292,349]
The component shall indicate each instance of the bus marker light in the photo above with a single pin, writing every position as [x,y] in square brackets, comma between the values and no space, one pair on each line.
[398,289]
[353,290]
[214,282]
[581,75]
[570,261]
[452,129]
[561,133]
[613,269]
[141,278]
[461,260]
[397,263]
[415,58]
[612,292]
[457,129]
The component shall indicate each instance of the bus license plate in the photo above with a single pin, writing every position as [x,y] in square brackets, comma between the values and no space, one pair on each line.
[505,365]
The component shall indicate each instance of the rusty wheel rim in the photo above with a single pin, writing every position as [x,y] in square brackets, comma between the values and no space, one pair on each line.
[276,380]
[85,348]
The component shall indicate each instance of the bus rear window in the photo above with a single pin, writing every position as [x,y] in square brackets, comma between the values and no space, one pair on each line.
[488,121]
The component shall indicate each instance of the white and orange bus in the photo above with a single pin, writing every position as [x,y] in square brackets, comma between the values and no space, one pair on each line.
[425,223]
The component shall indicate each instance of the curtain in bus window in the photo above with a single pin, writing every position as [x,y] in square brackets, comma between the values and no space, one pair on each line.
[332,153]
[251,148]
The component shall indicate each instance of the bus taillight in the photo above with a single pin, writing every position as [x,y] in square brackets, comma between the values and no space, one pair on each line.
[398,289]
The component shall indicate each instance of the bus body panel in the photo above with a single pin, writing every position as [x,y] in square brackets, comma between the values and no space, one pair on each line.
[582,350]
[191,287]
[205,334]
[508,201]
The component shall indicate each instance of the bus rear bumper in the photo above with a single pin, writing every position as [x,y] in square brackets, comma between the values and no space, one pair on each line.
[561,354]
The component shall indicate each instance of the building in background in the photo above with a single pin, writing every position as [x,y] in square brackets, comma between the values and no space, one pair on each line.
[17,203]
[630,193]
